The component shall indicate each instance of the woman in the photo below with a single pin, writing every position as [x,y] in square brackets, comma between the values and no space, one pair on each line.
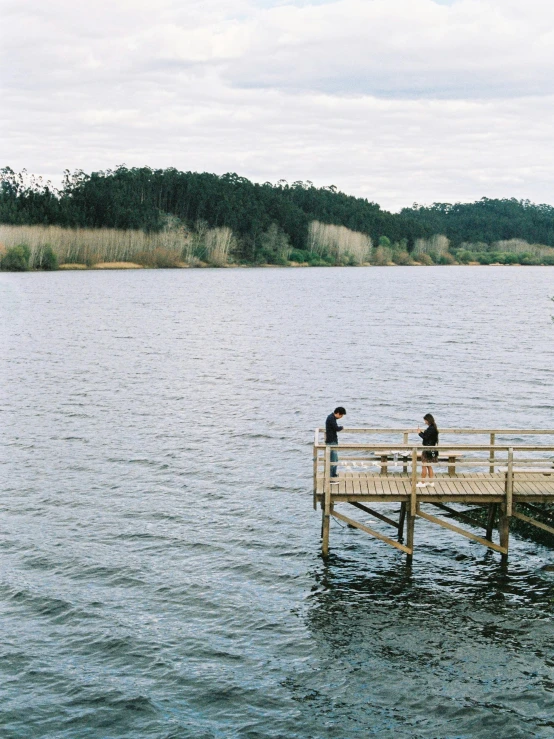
[430,438]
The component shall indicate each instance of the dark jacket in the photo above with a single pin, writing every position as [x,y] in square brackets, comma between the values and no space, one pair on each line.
[331,428]
[430,436]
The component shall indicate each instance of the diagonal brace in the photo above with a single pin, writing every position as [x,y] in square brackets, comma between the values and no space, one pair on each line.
[460,514]
[458,530]
[533,522]
[376,514]
[371,532]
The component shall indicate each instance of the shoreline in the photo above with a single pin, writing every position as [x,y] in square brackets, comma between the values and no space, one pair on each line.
[294,265]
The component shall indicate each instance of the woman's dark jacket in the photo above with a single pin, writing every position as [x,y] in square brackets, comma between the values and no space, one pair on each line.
[430,436]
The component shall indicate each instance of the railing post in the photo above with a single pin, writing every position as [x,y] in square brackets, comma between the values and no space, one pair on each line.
[405,467]
[491,468]
[327,503]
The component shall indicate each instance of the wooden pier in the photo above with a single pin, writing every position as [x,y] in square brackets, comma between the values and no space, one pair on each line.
[503,475]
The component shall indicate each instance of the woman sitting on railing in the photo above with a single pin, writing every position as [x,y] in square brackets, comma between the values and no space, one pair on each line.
[430,438]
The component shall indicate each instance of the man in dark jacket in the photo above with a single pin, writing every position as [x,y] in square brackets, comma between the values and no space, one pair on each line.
[331,438]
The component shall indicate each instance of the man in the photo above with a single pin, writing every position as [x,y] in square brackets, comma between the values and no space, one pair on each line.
[331,438]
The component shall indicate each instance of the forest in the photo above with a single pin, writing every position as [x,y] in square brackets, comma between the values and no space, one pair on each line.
[166,217]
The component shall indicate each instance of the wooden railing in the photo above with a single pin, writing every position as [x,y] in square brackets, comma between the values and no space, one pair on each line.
[503,457]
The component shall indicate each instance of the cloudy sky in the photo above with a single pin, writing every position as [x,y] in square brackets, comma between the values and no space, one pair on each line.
[399,101]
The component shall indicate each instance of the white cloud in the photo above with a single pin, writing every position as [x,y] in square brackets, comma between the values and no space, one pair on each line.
[396,100]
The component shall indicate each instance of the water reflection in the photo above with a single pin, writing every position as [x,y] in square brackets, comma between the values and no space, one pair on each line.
[471,641]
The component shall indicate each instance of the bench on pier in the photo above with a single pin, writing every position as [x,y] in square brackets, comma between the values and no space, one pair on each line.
[450,458]
[547,471]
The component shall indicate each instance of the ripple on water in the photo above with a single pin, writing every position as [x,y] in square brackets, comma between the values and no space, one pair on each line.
[160,574]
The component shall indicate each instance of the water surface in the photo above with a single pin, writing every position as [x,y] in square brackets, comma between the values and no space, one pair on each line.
[160,573]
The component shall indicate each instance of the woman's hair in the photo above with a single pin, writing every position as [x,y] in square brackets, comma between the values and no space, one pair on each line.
[429,417]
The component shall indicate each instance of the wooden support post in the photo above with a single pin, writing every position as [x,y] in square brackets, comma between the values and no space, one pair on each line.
[491,468]
[410,527]
[506,507]
[504,530]
[405,466]
[490,520]
[412,509]
[401,522]
[327,503]
[510,482]
[413,497]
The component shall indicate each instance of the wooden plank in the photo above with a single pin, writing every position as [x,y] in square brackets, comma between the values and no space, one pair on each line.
[462,483]
[458,488]
[532,485]
[392,485]
[446,486]
[406,486]
[533,522]
[364,489]
[371,488]
[356,483]
[372,512]
[376,534]
[349,485]
[472,483]
[488,484]
[385,485]
[458,530]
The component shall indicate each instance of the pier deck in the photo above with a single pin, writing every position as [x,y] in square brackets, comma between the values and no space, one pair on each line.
[513,479]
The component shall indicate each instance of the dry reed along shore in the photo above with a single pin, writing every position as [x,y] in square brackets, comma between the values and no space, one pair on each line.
[202,246]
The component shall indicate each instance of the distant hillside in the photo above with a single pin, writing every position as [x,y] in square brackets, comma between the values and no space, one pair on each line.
[143,198]
[487,221]
[271,223]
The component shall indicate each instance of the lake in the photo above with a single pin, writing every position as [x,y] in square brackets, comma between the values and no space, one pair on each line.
[160,558]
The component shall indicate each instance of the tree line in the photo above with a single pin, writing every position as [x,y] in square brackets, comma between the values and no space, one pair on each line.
[487,221]
[267,220]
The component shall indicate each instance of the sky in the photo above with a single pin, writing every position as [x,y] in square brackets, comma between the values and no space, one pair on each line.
[398,101]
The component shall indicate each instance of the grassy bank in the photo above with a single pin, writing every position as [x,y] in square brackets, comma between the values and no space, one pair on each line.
[52,247]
